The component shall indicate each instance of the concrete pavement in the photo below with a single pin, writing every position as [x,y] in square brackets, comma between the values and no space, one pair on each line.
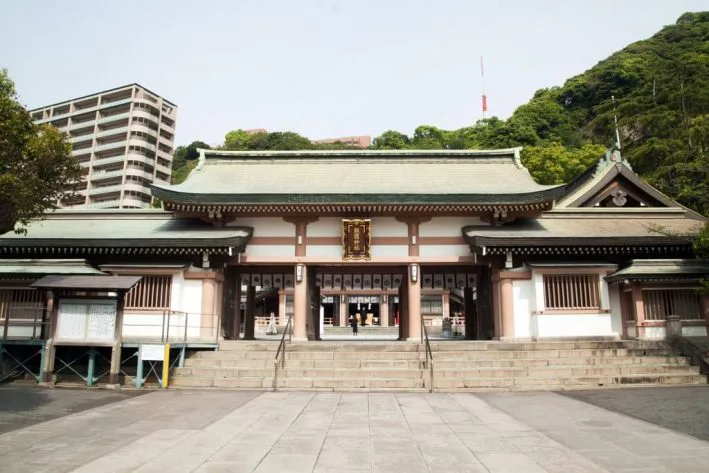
[235,431]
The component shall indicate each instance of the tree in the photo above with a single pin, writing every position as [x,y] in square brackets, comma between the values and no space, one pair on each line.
[701,250]
[556,164]
[391,140]
[185,154]
[237,140]
[37,169]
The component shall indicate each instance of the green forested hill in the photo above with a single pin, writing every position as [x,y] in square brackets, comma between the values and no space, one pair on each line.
[661,91]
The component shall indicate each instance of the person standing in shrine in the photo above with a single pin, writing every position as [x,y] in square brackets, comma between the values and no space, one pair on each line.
[353,323]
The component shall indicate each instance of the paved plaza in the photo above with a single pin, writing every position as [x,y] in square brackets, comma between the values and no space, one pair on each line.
[241,431]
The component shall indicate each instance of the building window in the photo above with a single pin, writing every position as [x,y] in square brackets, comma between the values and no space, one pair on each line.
[659,303]
[22,304]
[152,292]
[432,305]
[571,291]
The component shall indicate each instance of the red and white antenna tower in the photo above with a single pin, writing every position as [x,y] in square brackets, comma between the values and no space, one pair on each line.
[482,76]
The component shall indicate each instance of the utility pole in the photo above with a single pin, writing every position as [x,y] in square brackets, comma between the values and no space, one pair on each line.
[484,97]
[615,119]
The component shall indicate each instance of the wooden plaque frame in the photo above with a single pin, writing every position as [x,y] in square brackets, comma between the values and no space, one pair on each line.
[357,239]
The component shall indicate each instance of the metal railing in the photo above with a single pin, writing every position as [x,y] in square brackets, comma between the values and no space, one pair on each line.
[281,353]
[428,363]
[170,326]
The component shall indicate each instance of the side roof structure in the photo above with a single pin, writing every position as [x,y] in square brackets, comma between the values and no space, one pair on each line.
[607,209]
[342,181]
[127,232]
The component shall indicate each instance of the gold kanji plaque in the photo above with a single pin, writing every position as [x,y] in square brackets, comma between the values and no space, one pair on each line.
[356,239]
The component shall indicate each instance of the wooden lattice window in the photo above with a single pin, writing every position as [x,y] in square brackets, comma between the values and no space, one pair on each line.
[571,292]
[152,292]
[22,303]
[659,303]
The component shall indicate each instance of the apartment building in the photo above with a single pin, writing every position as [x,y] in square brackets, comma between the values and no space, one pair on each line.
[124,137]
[362,142]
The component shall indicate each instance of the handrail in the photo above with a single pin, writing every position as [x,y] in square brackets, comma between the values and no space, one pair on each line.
[429,354]
[281,351]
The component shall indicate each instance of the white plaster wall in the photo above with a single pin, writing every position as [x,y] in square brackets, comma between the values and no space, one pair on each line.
[654,333]
[266,226]
[631,331]
[390,251]
[614,304]
[573,325]
[538,288]
[324,251]
[694,331]
[192,304]
[23,331]
[325,227]
[178,281]
[522,295]
[443,251]
[447,226]
[388,227]
[285,251]
[141,325]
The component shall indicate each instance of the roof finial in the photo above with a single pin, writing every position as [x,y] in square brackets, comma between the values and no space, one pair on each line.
[615,119]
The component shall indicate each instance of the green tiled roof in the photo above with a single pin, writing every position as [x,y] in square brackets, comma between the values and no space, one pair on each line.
[584,230]
[382,177]
[124,229]
[23,267]
[656,269]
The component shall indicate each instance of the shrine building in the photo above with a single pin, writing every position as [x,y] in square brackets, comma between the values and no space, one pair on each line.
[390,238]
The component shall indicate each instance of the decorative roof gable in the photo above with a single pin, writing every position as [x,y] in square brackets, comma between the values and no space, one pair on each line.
[612,183]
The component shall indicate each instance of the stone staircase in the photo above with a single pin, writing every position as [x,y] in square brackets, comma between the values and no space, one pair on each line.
[362,330]
[559,366]
[458,366]
[370,366]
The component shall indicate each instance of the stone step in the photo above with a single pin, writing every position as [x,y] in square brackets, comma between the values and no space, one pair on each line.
[582,361]
[316,355]
[563,372]
[300,383]
[326,346]
[347,384]
[548,354]
[550,383]
[289,372]
[439,356]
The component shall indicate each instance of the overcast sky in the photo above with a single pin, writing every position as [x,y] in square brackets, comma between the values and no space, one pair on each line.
[322,68]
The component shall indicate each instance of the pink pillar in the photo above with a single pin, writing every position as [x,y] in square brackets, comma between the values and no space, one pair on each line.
[413,325]
[446,304]
[344,308]
[282,307]
[300,305]
[639,310]
[208,309]
[506,309]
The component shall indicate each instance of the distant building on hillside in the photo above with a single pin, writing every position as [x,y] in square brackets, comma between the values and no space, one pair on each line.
[124,137]
[253,131]
[355,141]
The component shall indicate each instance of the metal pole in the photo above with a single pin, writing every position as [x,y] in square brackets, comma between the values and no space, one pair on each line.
[139,370]
[182,357]
[91,368]
[34,325]
[42,353]
[184,339]
[7,323]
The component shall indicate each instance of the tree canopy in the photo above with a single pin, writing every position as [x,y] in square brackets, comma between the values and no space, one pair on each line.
[36,166]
